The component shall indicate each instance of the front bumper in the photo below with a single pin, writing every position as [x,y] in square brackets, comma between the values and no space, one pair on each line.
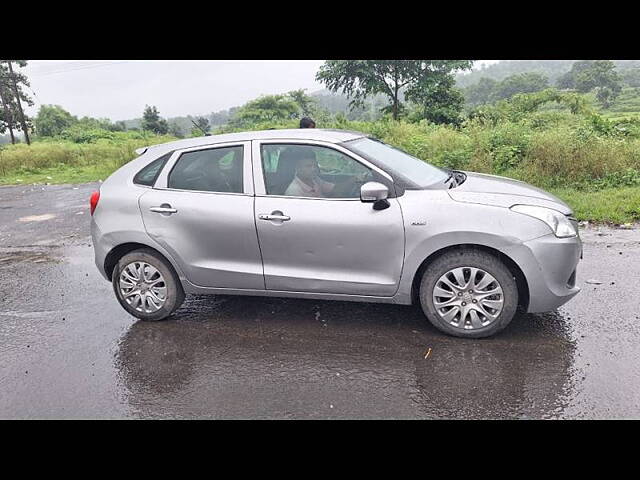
[549,265]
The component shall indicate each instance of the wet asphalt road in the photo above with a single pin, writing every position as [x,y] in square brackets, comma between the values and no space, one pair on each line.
[68,350]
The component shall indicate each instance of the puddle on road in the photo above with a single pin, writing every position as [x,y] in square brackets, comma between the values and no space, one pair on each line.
[11,258]
[30,314]
[37,218]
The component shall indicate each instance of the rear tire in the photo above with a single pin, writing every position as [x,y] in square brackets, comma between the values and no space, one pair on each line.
[146,285]
[461,276]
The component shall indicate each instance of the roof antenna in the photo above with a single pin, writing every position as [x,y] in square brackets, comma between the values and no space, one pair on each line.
[200,128]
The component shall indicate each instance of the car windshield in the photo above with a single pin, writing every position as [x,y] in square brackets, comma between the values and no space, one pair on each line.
[417,171]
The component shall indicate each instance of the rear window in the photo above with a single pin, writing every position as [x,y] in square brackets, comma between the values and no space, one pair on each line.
[148,175]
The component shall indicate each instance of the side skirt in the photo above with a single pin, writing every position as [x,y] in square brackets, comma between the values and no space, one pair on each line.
[398,299]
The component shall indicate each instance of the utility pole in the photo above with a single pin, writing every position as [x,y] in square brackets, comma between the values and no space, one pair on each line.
[17,93]
[8,116]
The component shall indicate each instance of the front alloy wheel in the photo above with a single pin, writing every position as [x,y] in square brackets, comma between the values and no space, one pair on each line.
[468,292]
[468,297]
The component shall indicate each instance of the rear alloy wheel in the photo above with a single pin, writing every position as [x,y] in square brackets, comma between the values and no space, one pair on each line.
[143,287]
[469,293]
[146,285]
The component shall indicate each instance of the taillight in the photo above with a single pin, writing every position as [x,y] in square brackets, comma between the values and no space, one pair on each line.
[93,202]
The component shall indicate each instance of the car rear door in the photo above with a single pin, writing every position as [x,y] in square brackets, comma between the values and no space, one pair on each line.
[323,245]
[201,210]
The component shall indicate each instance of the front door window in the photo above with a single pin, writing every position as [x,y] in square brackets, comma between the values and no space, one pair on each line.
[312,171]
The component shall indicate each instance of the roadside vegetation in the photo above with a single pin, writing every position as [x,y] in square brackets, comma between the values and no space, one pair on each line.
[61,160]
[564,141]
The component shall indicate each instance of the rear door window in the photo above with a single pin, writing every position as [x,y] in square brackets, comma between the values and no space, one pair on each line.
[210,170]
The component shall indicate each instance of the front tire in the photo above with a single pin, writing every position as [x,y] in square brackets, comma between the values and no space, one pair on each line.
[146,285]
[468,293]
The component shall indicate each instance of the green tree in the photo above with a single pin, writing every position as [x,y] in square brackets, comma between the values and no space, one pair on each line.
[152,121]
[307,104]
[440,102]
[521,83]
[594,75]
[12,95]
[51,120]
[488,90]
[360,79]
[267,108]
[120,126]
[89,123]
[7,118]
[480,93]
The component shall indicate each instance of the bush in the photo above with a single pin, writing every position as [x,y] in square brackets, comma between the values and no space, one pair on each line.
[508,145]
[54,153]
[78,134]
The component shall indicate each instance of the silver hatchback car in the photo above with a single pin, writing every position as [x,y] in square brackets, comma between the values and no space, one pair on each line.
[335,215]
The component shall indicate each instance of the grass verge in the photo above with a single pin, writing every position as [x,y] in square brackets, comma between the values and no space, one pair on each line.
[60,174]
[611,205]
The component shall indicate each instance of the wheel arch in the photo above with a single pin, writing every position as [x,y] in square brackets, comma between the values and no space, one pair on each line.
[521,280]
[116,253]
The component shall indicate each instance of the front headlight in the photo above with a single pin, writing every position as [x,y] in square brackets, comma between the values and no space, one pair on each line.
[559,224]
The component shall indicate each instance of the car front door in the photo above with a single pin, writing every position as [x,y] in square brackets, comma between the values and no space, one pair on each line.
[201,210]
[311,242]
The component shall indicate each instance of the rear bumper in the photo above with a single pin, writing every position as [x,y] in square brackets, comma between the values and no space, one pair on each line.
[100,248]
[549,265]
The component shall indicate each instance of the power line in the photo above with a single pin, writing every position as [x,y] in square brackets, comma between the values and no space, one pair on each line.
[49,65]
[79,68]
[40,69]
[86,67]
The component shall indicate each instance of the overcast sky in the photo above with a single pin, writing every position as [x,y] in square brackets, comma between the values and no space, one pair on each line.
[119,89]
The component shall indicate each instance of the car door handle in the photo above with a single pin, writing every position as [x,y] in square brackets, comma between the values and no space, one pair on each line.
[164,209]
[282,218]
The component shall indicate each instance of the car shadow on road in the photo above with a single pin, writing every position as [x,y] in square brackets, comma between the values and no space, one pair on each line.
[256,357]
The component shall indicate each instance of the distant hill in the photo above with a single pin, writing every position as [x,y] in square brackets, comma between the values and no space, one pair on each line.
[553,69]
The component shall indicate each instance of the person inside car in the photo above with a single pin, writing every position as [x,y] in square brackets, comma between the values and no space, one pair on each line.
[308,183]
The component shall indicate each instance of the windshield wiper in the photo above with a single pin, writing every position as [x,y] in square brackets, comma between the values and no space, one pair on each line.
[449,177]
[452,174]
[461,178]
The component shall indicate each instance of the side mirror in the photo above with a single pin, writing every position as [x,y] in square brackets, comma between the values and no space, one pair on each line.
[376,193]
[373,191]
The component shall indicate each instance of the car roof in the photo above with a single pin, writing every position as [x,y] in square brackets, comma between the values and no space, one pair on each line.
[320,134]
